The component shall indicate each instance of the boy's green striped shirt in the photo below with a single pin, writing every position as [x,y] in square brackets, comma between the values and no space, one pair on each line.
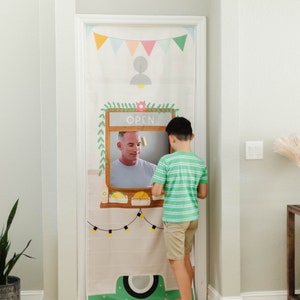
[180,173]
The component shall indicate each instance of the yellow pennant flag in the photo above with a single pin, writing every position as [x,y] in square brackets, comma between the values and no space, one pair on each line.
[100,40]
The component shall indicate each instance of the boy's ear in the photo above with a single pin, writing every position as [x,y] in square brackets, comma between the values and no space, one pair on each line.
[192,137]
[172,138]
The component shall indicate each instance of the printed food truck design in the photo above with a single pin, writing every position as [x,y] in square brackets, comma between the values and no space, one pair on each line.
[140,199]
[118,197]
[128,245]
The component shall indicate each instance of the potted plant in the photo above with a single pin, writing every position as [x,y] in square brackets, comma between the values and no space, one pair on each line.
[9,285]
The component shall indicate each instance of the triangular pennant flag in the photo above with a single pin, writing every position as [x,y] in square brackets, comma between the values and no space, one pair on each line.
[116,43]
[99,39]
[132,45]
[148,45]
[180,41]
[190,31]
[164,44]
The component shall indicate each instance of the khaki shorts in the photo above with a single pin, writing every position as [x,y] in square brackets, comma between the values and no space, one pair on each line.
[179,239]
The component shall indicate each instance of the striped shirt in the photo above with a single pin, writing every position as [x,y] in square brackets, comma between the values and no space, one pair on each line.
[180,173]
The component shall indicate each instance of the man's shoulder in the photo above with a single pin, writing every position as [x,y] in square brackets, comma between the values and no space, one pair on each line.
[143,162]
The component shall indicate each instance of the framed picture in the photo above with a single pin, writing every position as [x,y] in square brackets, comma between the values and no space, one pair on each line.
[139,138]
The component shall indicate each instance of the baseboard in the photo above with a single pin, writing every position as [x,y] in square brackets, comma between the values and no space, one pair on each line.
[265,295]
[214,295]
[32,295]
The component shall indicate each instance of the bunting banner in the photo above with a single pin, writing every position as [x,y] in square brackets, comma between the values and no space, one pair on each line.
[143,74]
[148,45]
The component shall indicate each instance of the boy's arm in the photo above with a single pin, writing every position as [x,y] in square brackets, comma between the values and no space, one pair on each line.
[202,190]
[157,189]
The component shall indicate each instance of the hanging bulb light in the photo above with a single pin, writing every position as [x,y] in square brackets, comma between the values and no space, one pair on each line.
[152,229]
[140,214]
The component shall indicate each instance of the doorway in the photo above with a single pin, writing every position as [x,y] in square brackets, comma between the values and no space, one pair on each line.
[120,243]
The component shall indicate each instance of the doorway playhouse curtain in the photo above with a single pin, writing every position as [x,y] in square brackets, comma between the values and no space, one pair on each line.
[137,67]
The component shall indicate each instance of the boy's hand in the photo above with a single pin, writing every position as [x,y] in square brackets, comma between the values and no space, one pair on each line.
[202,191]
[157,189]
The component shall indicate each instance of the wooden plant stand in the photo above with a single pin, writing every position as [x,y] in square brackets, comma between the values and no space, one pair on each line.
[292,210]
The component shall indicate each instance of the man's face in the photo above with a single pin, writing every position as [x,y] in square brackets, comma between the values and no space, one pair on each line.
[130,147]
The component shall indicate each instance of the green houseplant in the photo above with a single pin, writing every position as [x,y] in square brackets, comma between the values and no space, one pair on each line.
[6,265]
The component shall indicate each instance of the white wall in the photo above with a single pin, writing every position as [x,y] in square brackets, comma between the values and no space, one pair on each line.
[20,131]
[269,97]
[267,106]
[28,140]
[135,7]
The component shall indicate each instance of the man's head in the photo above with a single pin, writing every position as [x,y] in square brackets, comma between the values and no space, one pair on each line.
[130,146]
[181,128]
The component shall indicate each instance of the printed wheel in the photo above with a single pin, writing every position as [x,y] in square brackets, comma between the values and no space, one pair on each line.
[140,287]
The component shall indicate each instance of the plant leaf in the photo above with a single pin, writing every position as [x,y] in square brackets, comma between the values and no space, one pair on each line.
[11,263]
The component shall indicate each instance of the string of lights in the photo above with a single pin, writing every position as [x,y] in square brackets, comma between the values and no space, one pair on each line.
[110,231]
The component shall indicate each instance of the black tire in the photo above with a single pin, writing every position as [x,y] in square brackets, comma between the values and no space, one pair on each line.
[132,291]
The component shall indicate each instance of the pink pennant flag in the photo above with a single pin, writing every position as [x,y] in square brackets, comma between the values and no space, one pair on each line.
[132,45]
[148,45]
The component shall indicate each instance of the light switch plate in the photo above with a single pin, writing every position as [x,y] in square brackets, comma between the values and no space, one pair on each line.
[254,150]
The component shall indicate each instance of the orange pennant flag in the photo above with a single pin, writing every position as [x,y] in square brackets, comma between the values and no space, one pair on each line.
[132,45]
[100,40]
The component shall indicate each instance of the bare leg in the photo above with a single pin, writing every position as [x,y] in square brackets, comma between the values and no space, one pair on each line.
[183,278]
[189,268]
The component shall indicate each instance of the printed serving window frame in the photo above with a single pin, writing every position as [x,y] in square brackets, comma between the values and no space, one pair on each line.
[109,128]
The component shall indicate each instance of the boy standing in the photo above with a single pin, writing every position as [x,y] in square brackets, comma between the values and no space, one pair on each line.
[182,175]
